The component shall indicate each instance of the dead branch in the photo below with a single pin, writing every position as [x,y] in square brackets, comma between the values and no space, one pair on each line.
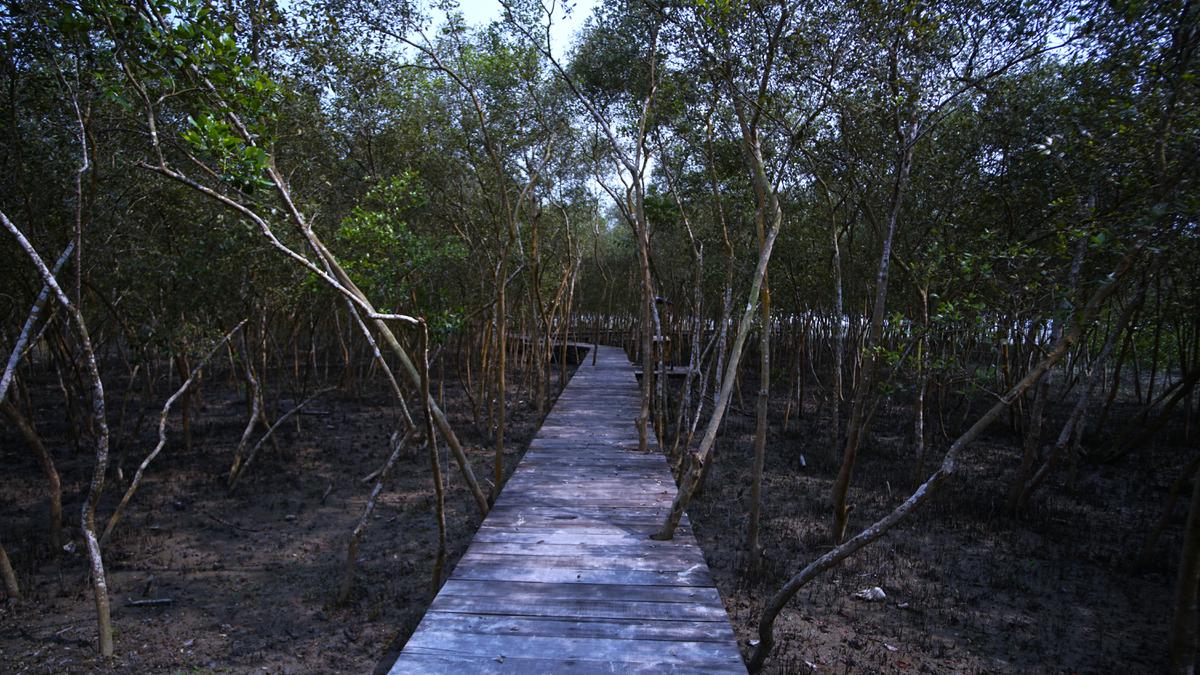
[282,418]
[162,435]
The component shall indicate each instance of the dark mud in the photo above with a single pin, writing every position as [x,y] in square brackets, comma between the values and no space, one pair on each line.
[969,588]
[251,575]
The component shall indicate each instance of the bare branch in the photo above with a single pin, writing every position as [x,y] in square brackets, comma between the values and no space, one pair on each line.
[162,434]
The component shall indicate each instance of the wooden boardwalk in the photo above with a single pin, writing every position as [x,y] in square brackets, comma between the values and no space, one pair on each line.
[562,575]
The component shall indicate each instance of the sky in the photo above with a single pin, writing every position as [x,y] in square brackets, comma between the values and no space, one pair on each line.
[562,32]
[482,12]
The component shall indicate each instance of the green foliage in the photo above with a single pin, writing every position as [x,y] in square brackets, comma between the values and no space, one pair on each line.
[386,155]
[240,164]
[392,262]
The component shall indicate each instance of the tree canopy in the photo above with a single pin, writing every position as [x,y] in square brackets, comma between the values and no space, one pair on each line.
[853,202]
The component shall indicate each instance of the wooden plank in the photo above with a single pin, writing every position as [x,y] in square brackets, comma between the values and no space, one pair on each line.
[520,514]
[696,575]
[611,628]
[642,527]
[629,527]
[435,664]
[445,642]
[562,575]
[576,537]
[600,462]
[630,549]
[657,510]
[701,594]
[568,501]
[665,560]
[534,605]
[544,463]
[539,467]
[552,485]
[606,479]
[620,520]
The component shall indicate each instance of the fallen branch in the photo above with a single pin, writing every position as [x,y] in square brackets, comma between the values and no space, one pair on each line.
[152,602]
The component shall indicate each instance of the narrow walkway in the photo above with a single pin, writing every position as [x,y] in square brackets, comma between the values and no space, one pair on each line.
[562,575]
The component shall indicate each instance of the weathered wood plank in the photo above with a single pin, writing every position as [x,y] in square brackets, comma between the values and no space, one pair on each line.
[633,549]
[611,628]
[534,605]
[562,575]
[675,562]
[540,486]
[452,643]
[519,514]
[552,536]
[415,663]
[701,594]
[696,575]
[567,501]
[619,522]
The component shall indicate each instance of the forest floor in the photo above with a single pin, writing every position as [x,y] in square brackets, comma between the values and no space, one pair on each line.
[969,589]
[251,574]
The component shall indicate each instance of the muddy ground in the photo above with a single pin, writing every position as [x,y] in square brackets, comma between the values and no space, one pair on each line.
[969,588]
[251,575]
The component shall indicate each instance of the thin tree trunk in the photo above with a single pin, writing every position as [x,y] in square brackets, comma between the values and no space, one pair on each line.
[856,426]
[840,324]
[339,281]
[443,424]
[1157,341]
[753,547]
[697,250]
[919,435]
[701,456]
[436,467]
[254,401]
[92,498]
[1140,431]
[185,406]
[501,384]
[399,444]
[270,434]
[162,435]
[727,292]
[947,469]
[46,461]
[11,587]
[1147,553]
[1187,586]
[23,338]
[348,570]
[1033,429]
[1070,433]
